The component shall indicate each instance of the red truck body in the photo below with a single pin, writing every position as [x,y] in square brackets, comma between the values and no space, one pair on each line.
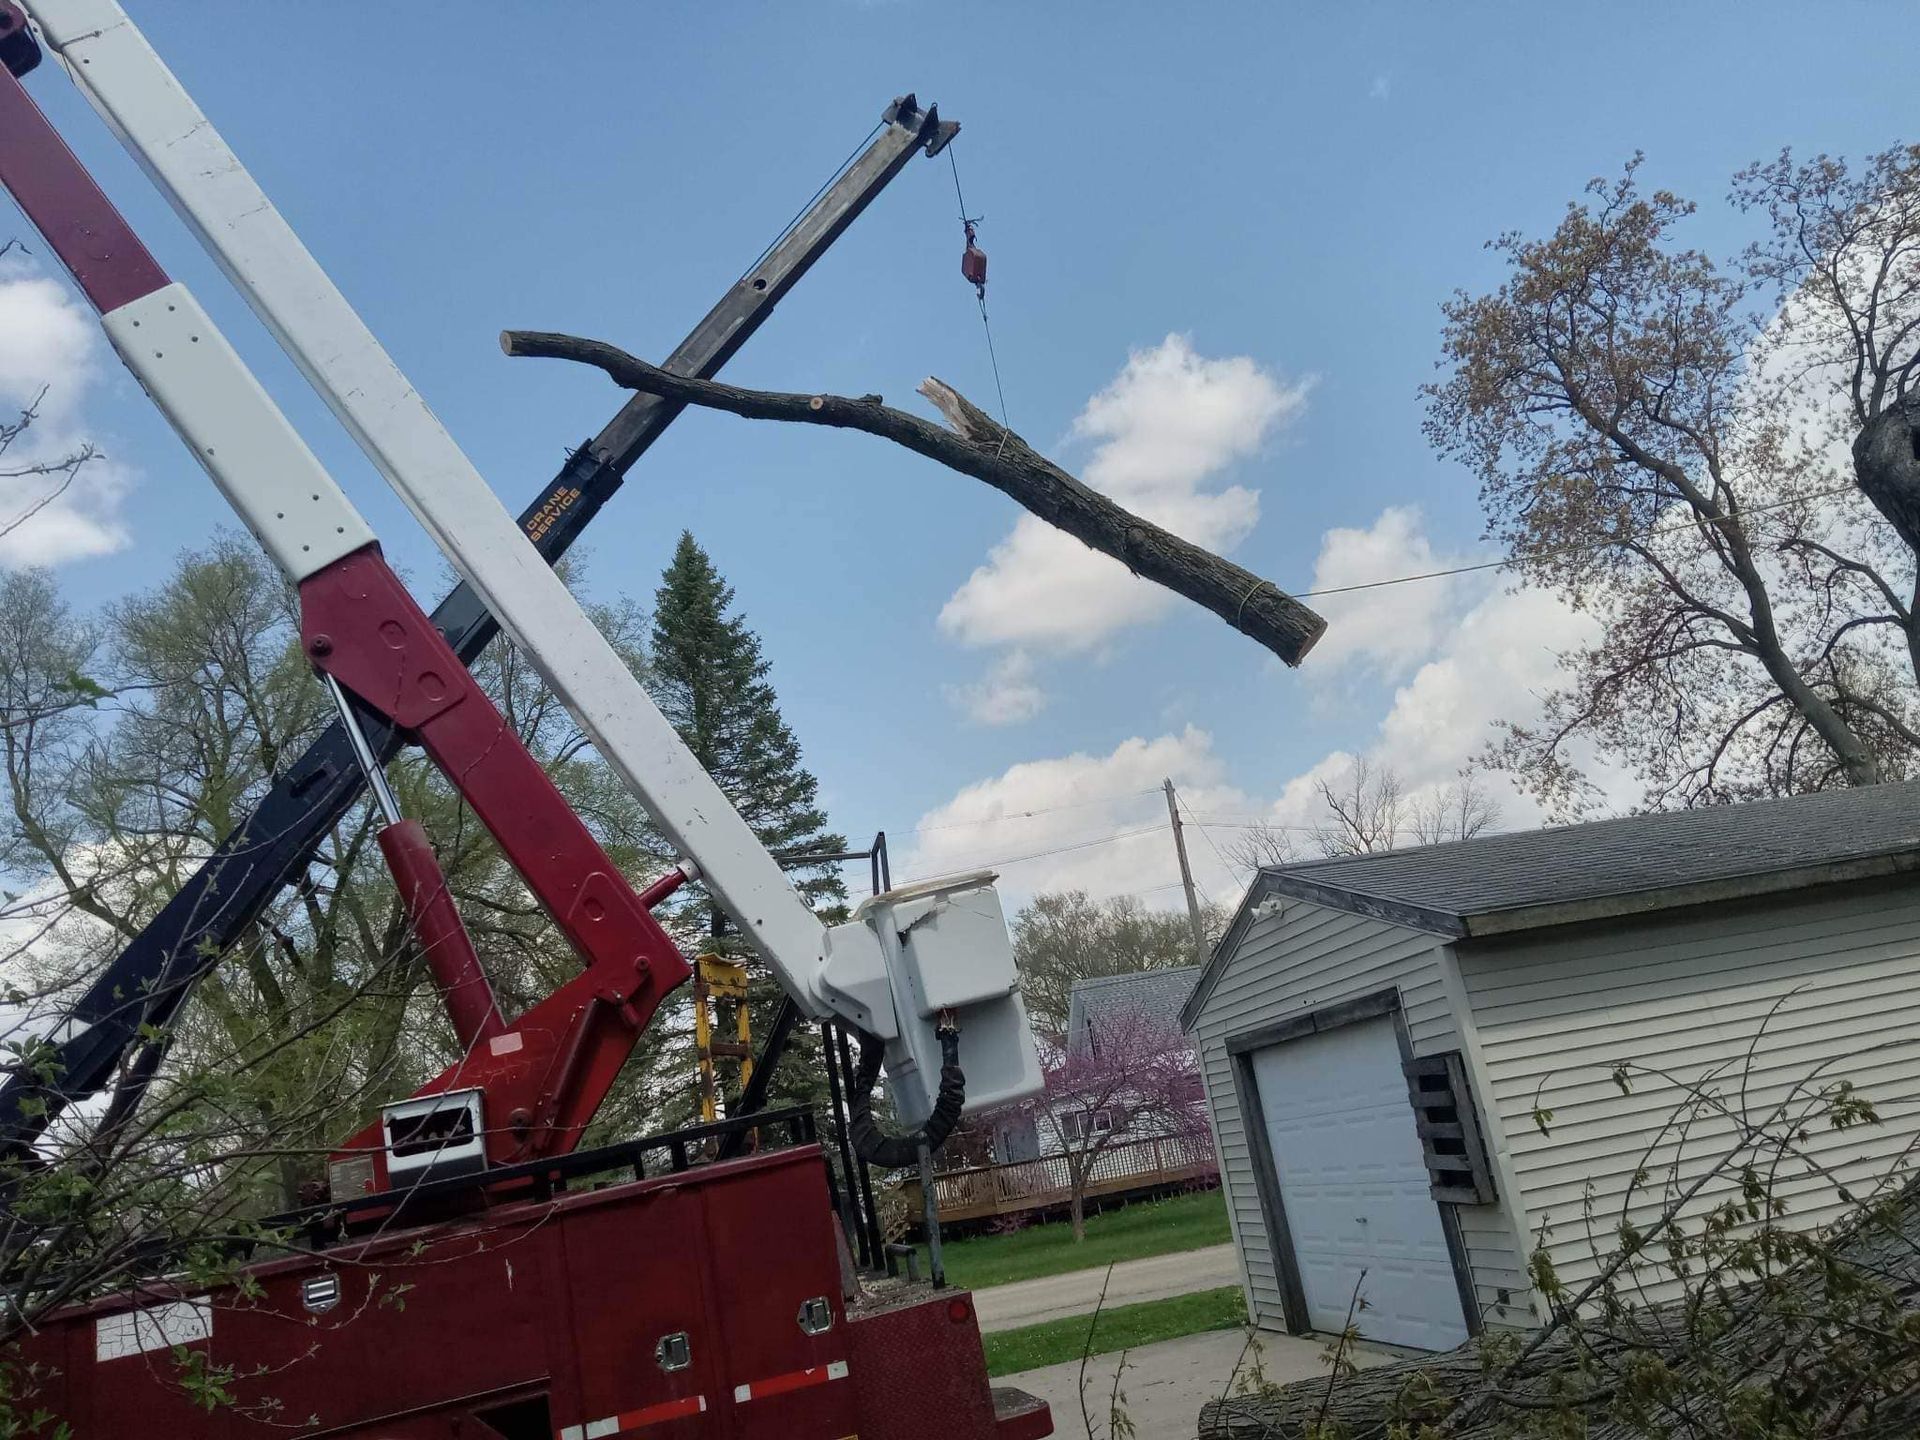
[705,1303]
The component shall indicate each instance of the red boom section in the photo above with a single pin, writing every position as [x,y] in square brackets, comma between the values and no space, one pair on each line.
[545,1074]
[50,184]
[438,930]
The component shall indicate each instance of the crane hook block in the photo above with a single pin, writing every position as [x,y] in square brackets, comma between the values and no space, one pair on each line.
[973,263]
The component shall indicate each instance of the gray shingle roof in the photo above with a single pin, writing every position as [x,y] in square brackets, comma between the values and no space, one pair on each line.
[1157,995]
[1637,855]
[1570,873]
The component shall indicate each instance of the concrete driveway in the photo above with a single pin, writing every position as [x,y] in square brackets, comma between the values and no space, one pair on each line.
[1165,1385]
[1054,1297]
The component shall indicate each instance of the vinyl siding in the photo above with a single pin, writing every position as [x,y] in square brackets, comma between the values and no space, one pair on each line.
[1302,959]
[1839,975]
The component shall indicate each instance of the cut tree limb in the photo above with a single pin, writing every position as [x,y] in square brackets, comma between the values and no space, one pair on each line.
[979,446]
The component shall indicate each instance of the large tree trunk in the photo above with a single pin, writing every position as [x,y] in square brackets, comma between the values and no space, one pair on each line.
[979,446]
[1886,466]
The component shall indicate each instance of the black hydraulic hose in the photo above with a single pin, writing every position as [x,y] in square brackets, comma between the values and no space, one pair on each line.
[895,1152]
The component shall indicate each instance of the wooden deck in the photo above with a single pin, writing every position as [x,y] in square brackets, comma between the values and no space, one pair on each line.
[985,1191]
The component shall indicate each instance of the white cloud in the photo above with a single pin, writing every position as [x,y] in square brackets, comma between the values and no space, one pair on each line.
[1380,88]
[1034,821]
[1491,656]
[1393,627]
[49,948]
[51,341]
[1006,695]
[1498,660]
[1479,653]
[1171,419]
[1467,651]
[50,358]
[1299,810]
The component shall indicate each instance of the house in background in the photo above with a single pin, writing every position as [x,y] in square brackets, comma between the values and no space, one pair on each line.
[1146,1002]
[1379,1033]
[1141,1111]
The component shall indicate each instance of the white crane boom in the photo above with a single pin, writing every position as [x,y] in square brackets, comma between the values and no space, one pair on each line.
[910,957]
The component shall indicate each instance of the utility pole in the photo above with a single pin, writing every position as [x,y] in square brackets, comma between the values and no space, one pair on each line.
[1186,879]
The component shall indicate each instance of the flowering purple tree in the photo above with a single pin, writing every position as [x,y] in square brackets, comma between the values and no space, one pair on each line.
[1128,1075]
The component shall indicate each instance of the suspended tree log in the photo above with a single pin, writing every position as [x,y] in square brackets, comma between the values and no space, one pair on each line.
[980,446]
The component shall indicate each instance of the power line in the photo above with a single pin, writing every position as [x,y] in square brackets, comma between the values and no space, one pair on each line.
[1583,547]
[1088,844]
[1029,814]
[1230,869]
[1110,838]
[1256,822]
[1252,822]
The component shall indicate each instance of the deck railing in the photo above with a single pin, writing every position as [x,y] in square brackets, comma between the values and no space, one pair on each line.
[983,1191]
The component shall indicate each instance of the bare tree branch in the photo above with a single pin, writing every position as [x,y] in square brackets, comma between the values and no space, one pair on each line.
[979,446]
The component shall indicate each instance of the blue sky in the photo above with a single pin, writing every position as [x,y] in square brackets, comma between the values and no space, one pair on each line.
[1219,238]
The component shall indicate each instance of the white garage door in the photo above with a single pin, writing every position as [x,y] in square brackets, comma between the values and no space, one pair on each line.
[1354,1186]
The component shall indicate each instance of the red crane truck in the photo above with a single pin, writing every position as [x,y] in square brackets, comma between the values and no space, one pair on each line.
[471,1273]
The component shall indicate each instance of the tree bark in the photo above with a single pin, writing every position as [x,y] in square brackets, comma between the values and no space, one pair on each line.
[979,446]
[1886,466]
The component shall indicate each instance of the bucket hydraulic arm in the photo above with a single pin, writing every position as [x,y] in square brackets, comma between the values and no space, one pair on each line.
[913,967]
[114,1035]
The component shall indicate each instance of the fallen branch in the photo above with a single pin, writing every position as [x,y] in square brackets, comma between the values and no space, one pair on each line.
[979,446]
[1587,1376]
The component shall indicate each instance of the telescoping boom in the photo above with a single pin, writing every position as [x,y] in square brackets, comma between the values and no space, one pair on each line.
[130,1006]
[703,1298]
[912,963]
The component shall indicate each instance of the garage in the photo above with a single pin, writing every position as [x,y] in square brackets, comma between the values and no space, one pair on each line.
[1486,985]
[1352,1187]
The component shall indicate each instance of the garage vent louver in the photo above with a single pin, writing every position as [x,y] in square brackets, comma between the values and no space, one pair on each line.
[1457,1168]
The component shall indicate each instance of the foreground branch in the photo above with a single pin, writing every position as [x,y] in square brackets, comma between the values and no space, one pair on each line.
[1827,1333]
[979,446]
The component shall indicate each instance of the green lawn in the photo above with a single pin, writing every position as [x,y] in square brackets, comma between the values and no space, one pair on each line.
[1154,1227]
[1120,1327]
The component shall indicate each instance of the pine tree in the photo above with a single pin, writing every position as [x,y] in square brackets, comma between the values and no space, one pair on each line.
[711,681]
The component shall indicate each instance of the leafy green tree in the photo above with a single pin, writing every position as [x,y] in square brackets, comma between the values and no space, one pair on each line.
[711,681]
[131,743]
[1061,938]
